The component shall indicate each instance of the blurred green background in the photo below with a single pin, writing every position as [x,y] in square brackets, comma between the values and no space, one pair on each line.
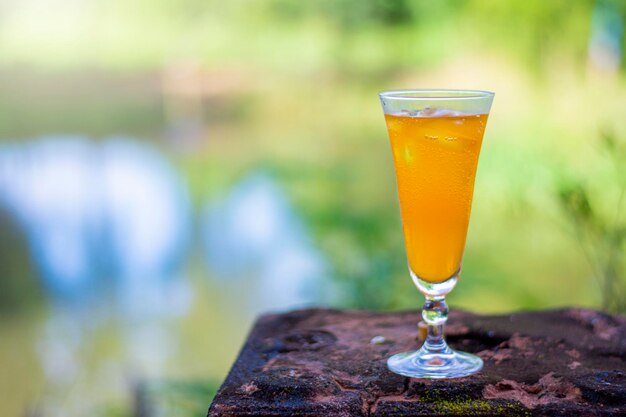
[262,120]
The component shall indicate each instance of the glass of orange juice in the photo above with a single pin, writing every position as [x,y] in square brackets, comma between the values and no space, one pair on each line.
[436,136]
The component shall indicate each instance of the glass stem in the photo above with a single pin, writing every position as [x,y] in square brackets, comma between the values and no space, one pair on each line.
[435,314]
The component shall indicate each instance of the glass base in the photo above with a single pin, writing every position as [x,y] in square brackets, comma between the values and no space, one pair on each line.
[445,364]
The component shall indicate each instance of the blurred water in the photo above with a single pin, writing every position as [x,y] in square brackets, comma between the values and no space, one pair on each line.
[109,231]
[254,234]
[113,212]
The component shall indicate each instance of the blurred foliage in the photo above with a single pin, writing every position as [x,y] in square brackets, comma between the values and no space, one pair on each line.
[602,233]
[364,245]
[165,398]
[173,398]
[323,62]
[348,14]
[19,288]
[328,33]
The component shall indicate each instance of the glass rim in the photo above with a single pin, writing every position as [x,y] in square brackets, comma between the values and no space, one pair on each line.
[435,94]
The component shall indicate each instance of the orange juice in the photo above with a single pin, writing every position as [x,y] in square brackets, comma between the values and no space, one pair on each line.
[435,160]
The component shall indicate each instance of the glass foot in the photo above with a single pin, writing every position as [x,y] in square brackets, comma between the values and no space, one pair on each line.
[446,364]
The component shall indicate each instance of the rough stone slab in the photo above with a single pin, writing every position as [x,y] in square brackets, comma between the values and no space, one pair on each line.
[322,362]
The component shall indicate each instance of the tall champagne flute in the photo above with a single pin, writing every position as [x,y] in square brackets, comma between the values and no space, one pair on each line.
[436,136]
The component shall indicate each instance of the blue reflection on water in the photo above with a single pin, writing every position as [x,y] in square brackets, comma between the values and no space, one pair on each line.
[97,216]
[49,186]
[108,227]
[254,234]
[114,219]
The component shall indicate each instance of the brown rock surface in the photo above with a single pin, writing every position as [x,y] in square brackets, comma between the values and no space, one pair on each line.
[331,363]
